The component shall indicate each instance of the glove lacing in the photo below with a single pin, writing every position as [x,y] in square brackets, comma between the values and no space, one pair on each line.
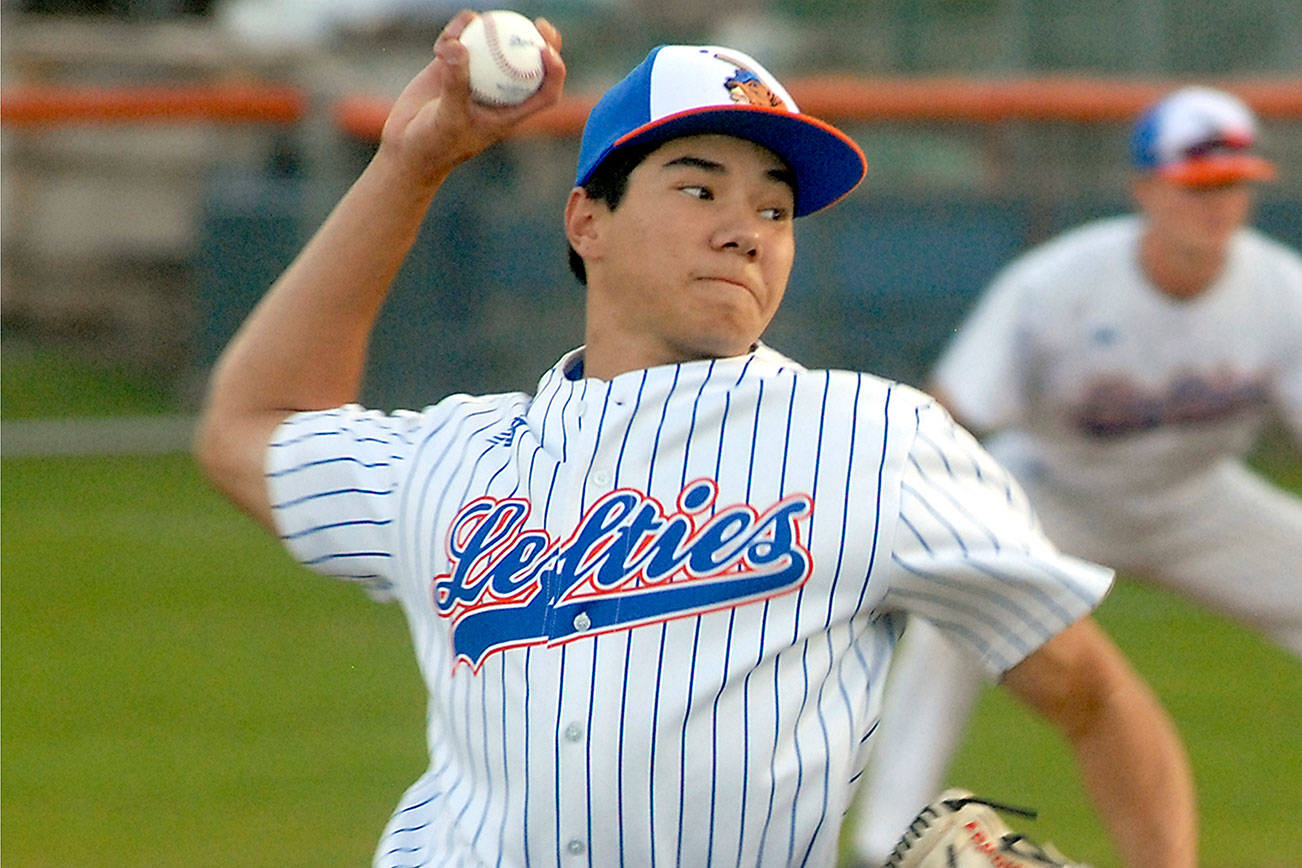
[1007,842]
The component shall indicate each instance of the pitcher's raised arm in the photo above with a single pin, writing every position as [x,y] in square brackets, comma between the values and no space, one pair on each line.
[304,345]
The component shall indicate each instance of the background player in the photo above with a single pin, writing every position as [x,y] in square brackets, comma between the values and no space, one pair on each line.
[653,602]
[1123,370]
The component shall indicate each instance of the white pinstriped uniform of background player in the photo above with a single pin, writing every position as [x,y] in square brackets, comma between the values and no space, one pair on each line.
[1124,369]
[652,603]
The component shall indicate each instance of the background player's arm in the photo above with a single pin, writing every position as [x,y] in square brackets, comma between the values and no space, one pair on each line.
[304,345]
[1130,756]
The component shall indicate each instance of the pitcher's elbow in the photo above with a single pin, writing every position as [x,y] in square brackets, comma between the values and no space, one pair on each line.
[206,447]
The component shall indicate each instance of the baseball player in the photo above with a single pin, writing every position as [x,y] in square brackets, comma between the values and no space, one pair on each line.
[653,602]
[1123,370]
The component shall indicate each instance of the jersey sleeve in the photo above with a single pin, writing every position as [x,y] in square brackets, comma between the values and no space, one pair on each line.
[983,371]
[333,478]
[970,556]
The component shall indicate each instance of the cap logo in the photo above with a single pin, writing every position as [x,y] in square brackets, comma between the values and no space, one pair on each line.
[1228,143]
[747,88]
[1216,139]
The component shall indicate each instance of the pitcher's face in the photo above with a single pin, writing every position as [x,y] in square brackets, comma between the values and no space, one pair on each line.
[694,260]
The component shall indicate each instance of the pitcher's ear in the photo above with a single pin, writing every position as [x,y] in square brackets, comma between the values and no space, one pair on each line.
[583,224]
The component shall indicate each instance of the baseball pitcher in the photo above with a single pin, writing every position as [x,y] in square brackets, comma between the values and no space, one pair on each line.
[653,601]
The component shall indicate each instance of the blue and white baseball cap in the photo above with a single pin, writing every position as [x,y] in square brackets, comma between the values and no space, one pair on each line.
[686,90]
[1199,137]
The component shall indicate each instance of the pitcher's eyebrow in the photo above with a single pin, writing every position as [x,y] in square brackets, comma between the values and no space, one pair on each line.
[698,163]
[782,176]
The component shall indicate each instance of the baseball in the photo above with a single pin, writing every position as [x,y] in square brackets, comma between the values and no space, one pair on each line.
[506,65]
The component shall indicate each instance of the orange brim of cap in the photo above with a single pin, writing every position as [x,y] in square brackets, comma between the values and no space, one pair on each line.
[1219,170]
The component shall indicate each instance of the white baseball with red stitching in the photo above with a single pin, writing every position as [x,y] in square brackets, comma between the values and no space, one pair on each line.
[505,49]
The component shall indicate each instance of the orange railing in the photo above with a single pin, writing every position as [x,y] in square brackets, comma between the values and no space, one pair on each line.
[42,105]
[839,98]
[851,99]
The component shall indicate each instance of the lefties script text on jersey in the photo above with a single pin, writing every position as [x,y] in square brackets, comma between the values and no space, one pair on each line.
[628,562]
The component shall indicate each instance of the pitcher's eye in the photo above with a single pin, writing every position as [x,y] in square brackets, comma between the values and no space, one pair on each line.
[696,191]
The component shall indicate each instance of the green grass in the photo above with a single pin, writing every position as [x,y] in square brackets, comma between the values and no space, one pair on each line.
[177,692]
[36,383]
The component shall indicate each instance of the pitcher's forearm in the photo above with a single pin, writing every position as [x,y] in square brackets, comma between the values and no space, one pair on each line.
[1130,756]
[1138,777]
[304,345]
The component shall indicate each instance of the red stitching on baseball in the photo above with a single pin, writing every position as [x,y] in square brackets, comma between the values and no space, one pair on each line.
[494,46]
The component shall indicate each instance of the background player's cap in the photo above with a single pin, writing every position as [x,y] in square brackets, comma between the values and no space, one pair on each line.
[1199,137]
[684,90]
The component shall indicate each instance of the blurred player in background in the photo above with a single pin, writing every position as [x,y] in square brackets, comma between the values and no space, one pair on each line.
[1121,371]
[654,603]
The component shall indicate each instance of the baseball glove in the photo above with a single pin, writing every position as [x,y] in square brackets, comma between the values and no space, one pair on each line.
[959,830]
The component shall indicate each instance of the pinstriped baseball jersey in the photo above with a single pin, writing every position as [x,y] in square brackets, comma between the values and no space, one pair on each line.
[654,614]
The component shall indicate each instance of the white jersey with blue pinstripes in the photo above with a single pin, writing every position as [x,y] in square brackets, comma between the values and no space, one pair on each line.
[654,614]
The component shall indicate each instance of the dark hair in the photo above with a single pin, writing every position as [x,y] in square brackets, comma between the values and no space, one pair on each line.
[608,183]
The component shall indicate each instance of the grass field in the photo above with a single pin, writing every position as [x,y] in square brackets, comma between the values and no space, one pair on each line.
[177,693]
[40,382]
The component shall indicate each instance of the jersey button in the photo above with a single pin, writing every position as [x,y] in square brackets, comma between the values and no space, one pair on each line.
[573,732]
[601,477]
[575,847]
[582,621]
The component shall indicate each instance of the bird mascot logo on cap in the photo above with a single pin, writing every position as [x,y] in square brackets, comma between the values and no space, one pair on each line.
[748,88]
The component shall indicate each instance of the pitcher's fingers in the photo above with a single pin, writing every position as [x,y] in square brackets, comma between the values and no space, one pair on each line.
[456,67]
[549,33]
[454,28]
[553,65]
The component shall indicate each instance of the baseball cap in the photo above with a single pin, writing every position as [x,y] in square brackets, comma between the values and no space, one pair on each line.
[686,90]
[1199,136]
